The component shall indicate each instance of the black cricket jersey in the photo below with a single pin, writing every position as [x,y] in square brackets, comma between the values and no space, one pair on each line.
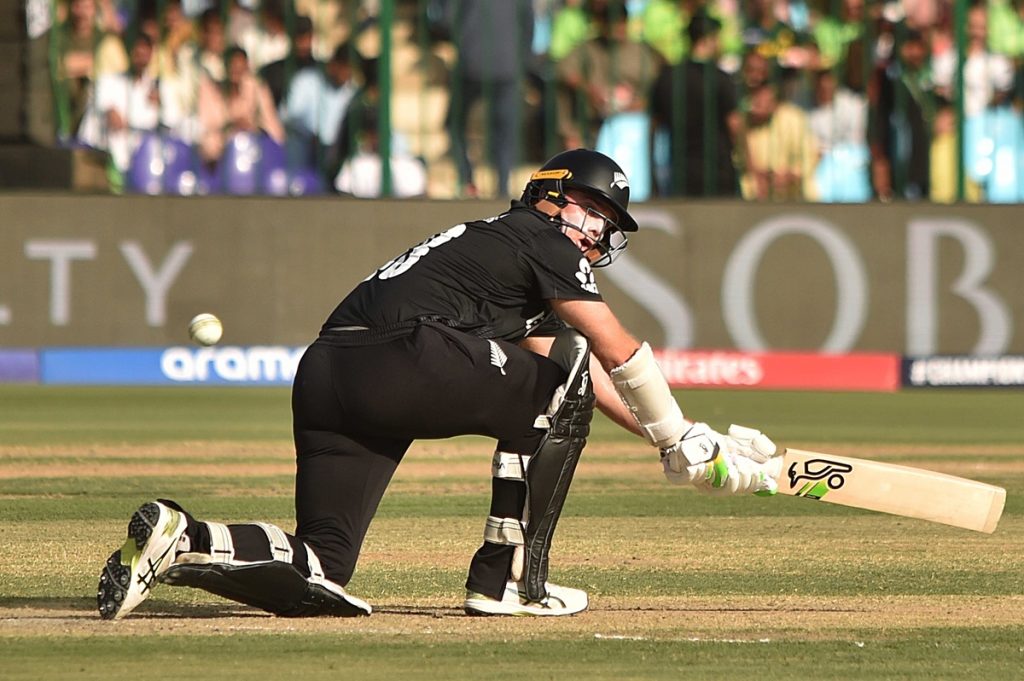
[490,278]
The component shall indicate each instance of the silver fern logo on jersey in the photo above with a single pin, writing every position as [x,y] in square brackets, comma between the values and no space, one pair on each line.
[586,277]
[498,357]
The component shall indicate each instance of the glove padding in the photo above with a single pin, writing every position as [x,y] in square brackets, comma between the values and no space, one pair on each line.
[719,464]
[749,443]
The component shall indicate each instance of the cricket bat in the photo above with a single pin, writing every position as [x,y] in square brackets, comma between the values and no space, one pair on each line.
[889,488]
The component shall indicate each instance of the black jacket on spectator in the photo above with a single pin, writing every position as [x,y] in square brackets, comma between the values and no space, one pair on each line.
[692,101]
[901,127]
[277,74]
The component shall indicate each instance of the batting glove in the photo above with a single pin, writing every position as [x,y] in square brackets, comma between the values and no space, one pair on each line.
[749,443]
[719,464]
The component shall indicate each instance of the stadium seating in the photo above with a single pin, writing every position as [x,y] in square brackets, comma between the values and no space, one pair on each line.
[256,164]
[163,164]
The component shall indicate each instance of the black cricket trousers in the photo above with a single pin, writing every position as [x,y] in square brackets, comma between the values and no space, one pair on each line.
[360,399]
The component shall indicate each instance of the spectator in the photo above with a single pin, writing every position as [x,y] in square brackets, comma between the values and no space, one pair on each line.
[212,45]
[362,112]
[902,113]
[1006,27]
[839,116]
[124,106]
[315,106]
[174,65]
[777,34]
[240,21]
[338,21]
[85,52]
[362,170]
[847,43]
[570,27]
[782,149]
[278,74]
[605,75]
[839,124]
[781,35]
[266,40]
[944,162]
[994,151]
[242,103]
[920,15]
[494,45]
[110,19]
[702,132]
[984,72]
[755,71]
[663,27]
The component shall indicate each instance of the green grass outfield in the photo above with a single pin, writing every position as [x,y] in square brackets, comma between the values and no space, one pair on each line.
[682,585]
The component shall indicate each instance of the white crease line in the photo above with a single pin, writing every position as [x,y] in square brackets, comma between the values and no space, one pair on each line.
[620,637]
[697,639]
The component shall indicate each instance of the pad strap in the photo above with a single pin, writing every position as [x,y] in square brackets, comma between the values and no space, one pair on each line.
[504,531]
[280,548]
[509,466]
[222,547]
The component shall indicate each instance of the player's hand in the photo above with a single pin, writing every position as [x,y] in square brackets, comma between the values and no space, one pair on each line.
[717,464]
[729,474]
[749,443]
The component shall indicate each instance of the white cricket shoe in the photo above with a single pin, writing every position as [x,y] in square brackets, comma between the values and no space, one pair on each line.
[561,600]
[133,570]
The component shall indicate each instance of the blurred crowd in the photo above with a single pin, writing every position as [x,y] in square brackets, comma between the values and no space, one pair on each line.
[812,100]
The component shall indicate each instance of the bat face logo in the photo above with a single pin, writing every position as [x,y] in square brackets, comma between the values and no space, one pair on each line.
[818,477]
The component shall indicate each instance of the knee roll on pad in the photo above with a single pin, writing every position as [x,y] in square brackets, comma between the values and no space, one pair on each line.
[553,465]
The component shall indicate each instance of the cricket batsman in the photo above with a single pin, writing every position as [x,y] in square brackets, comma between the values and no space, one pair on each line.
[493,327]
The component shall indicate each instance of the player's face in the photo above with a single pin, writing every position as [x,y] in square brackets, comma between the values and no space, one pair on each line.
[584,219]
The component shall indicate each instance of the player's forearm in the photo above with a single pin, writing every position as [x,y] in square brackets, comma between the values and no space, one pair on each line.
[610,342]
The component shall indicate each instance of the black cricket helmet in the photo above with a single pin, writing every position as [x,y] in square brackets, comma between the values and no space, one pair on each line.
[595,174]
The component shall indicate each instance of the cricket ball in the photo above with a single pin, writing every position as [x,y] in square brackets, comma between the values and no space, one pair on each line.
[205,329]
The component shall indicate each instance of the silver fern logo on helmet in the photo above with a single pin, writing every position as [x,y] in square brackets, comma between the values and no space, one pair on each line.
[619,181]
